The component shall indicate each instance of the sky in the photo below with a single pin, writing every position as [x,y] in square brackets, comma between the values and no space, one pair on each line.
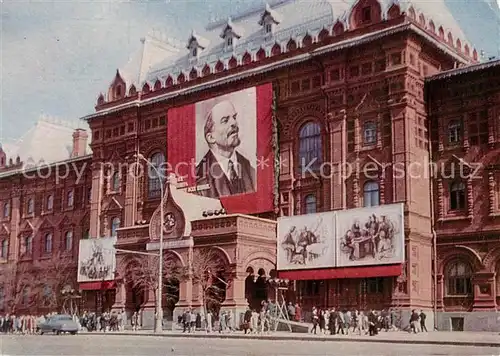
[56,56]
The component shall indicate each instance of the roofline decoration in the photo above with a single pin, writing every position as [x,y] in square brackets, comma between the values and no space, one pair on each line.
[38,167]
[463,70]
[372,36]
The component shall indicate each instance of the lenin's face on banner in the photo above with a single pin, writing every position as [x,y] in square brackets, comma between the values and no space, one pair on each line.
[221,128]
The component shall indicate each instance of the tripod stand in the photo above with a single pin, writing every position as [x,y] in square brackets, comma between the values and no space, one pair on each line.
[281,313]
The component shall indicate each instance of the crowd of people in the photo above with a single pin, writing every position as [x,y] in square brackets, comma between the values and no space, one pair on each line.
[20,324]
[324,321]
[332,321]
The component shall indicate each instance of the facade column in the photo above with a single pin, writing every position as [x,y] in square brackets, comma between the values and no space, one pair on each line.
[130,190]
[120,297]
[15,217]
[96,197]
[440,292]
[235,300]
[185,297]
[148,309]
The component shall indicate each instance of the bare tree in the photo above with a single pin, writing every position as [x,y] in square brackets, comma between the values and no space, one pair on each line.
[206,271]
[52,276]
[17,281]
[143,275]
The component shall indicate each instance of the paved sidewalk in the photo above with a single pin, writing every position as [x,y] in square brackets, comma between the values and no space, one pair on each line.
[488,339]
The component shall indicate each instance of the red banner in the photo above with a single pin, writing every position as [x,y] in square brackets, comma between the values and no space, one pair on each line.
[222,148]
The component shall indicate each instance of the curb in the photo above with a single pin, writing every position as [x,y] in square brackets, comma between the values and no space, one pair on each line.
[301,338]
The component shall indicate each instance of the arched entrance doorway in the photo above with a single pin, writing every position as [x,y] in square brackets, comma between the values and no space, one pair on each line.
[135,294]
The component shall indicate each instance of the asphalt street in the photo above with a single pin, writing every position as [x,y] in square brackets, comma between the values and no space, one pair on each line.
[146,345]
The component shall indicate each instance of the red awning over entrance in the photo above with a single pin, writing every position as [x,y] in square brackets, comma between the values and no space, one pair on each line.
[101,285]
[346,272]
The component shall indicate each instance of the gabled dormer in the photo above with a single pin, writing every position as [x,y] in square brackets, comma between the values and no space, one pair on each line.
[196,44]
[230,34]
[269,20]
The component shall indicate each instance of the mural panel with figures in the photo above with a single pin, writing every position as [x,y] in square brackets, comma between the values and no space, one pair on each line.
[370,236]
[96,259]
[306,241]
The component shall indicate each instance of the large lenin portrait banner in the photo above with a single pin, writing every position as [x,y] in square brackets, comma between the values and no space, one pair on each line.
[222,148]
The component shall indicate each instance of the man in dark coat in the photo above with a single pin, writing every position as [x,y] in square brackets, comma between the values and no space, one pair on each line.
[224,170]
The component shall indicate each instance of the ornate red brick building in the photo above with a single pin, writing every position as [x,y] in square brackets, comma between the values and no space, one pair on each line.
[464,114]
[358,94]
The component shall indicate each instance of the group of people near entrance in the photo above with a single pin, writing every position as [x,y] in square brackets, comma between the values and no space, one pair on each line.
[334,321]
[107,321]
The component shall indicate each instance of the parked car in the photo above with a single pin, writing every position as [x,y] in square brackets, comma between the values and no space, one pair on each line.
[59,323]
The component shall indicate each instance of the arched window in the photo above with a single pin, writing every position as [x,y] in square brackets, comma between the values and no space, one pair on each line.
[70,199]
[457,196]
[47,243]
[370,133]
[50,203]
[4,251]
[115,182]
[30,209]
[310,204]
[459,279]
[6,209]
[454,132]
[371,194]
[310,147]
[115,224]
[68,241]
[155,182]
[28,245]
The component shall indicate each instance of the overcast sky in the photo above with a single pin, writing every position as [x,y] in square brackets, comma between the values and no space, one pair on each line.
[56,56]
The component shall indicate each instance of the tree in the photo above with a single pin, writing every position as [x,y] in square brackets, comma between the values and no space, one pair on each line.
[206,271]
[53,275]
[17,282]
[143,274]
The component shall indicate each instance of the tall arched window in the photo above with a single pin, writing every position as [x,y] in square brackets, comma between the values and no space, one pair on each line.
[115,224]
[454,132]
[70,198]
[47,248]
[155,181]
[68,241]
[310,150]
[310,204]
[6,209]
[369,133]
[4,251]
[371,194]
[28,245]
[30,208]
[459,279]
[457,196]
[115,182]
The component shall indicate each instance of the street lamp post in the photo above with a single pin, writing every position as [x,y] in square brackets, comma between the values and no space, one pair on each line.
[159,308]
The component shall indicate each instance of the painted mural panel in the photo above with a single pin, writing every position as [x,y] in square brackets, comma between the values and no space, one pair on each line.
[370,236]
[96,259]
[306,241]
